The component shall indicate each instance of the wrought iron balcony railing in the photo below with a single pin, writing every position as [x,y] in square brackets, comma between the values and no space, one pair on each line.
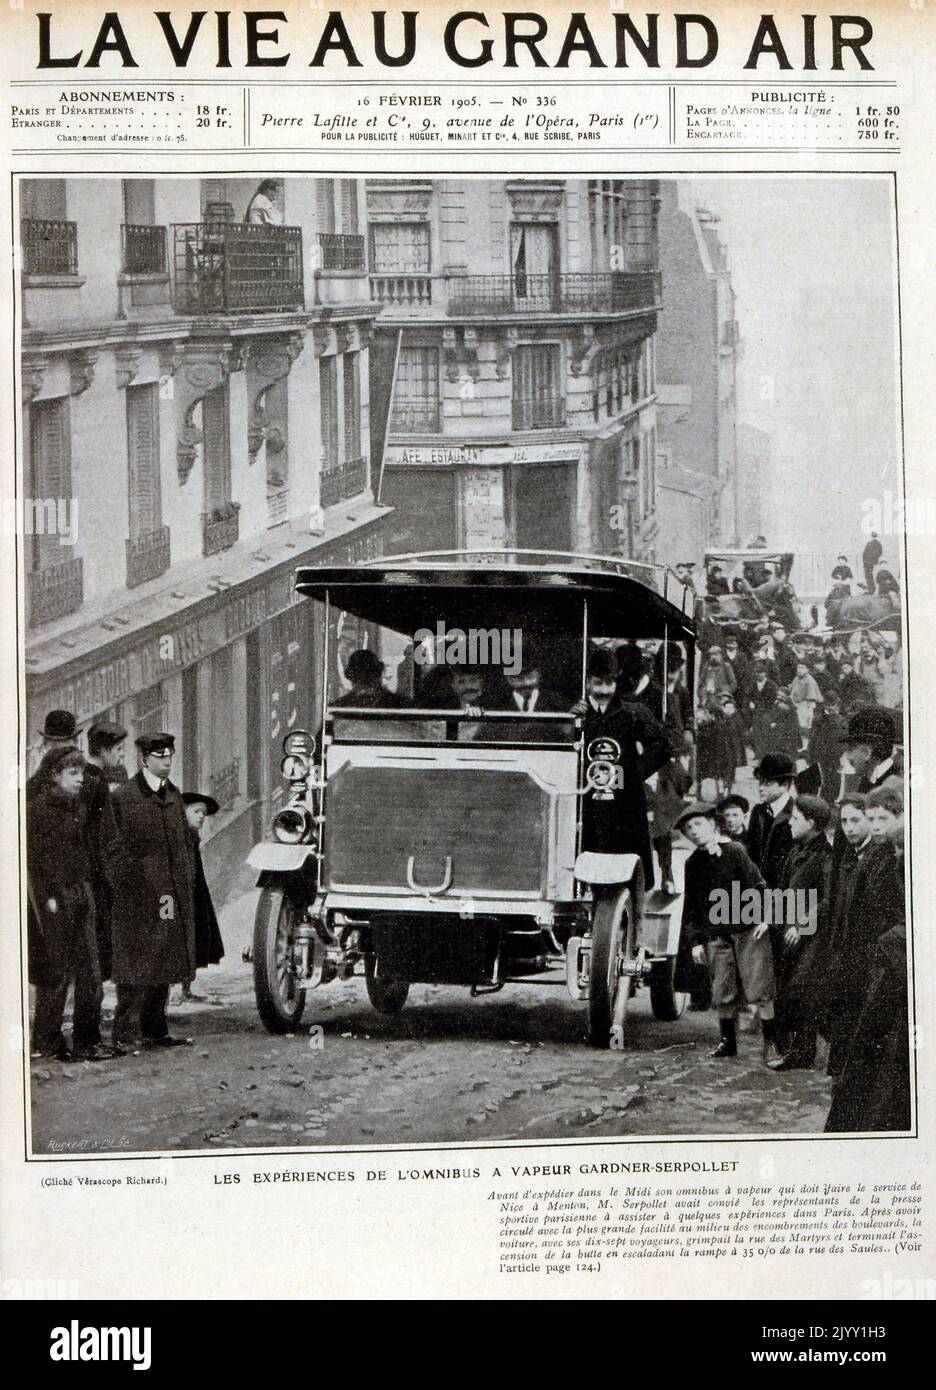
[604,292]
[236,268]
[405,290]
[49,248]
[341,251]
[415,415]
[220,528]
[344,480]
[148,556]
[144,249]
[537,413]
[54,591]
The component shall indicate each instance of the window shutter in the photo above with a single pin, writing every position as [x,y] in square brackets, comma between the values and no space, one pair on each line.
[352,406]
[349,207]
[143,460]
[217,449]
[328,394]
[50,447]
[139,196]
[325,205]
[44,199]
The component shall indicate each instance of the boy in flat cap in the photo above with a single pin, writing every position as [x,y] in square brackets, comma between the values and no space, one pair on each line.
[731,812]
[153,912]
[720,927]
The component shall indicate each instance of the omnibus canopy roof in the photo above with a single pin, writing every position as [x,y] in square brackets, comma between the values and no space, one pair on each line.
[409,592]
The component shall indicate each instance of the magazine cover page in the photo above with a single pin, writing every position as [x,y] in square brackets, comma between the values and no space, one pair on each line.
[467,531]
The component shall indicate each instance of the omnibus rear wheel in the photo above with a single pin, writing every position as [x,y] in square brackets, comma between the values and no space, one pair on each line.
[387,996]
[667,1002]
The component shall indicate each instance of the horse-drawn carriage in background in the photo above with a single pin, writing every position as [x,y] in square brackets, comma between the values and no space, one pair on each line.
[409,853]
[746,586]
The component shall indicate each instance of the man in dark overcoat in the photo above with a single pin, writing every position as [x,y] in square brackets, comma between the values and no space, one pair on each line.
[769,840]
[152,871]
[619,823]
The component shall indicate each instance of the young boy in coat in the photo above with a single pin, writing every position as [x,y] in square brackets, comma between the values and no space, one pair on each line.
[737,949]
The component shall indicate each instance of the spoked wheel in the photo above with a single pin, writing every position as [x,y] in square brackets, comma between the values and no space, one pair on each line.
[667,1002]
[387,996]
[614,932]
[279,1003]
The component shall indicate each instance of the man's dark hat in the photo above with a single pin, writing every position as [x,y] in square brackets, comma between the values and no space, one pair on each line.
[809,781]
[149,743]
[602,664]
[363,665]
[60,725]
[630,662]
[735,799]
[106,734]
[695,808]
[199,798]
[774,767]
[873,724]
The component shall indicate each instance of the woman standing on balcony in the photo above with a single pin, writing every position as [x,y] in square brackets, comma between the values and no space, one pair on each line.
[262,210]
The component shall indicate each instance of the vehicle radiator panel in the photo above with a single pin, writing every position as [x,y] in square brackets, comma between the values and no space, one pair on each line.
[490,824]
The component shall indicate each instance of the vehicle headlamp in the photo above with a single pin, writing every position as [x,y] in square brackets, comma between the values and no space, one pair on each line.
[292,825]
[300,742]
[601,778]
[295,767]
[603,750]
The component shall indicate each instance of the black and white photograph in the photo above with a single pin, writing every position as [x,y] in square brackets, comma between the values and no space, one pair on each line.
[463,662]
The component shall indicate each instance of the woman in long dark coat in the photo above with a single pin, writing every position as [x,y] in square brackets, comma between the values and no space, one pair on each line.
[62,939]
[209,948]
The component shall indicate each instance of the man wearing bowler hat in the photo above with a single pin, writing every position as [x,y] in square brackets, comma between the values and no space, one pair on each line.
[869,742]
[153,911]
[60,730]
[769,839]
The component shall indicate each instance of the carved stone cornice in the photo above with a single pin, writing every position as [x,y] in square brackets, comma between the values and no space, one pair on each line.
[536,202]
[405,202]
[268,360]
[586,344]
[505,340]
[127,363]
[200,367]
[460,353]
[323,339]
[81,370]
[32,371]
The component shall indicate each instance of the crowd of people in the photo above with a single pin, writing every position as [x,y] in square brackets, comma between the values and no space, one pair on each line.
[116,890]
[812,717]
